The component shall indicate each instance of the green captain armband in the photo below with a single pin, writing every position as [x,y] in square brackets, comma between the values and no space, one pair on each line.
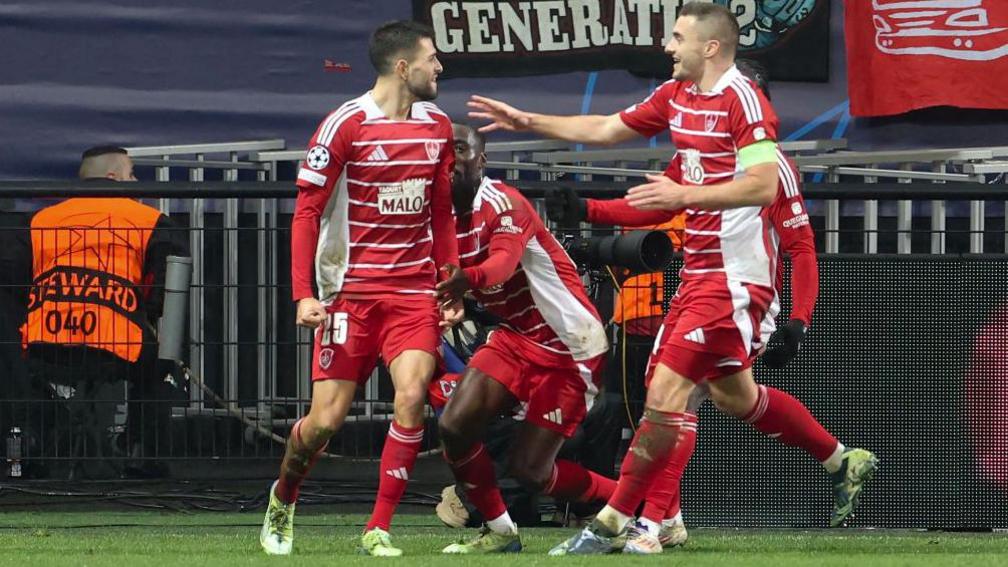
[755,154]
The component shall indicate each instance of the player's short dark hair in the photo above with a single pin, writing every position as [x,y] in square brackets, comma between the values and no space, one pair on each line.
[96,151]
[756,72]
[480,137]
[724,20]
[392,40]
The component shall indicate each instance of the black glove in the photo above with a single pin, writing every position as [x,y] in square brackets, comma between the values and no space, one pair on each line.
[564,207]
[784,344]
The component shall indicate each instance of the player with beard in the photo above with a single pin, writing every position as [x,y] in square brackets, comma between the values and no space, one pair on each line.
[546,357]
[372,224]
[726,131]
[660,523]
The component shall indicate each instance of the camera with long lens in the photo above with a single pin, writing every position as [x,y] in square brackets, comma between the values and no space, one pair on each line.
[639,251]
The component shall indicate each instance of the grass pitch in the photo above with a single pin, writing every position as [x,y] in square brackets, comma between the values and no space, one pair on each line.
[163,539]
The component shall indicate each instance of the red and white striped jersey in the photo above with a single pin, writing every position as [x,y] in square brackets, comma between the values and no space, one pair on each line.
[790,232]
[708,129]
[520,273]
[374,202]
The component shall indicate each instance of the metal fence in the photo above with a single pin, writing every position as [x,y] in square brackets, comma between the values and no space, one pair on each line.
[249,365]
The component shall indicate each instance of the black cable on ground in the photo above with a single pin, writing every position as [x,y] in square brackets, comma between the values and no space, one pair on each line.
[208,499]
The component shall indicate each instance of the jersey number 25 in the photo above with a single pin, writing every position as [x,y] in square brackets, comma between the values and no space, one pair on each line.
[335,330]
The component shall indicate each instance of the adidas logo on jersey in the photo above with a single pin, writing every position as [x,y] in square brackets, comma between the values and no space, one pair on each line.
[399,473]
[696,336]
[677,121]
[554,417]
[378,155]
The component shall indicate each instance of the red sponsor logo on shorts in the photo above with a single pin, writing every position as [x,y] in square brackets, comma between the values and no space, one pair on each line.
[325,358]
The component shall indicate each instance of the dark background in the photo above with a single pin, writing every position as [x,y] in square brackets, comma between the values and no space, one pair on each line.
[158,72]
[883,368]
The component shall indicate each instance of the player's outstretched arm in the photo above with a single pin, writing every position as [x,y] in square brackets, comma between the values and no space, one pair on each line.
[621,212]
[588,129]
[756,188]
[563,206]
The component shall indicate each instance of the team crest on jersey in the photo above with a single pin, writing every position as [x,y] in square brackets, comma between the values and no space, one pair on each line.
[403,198]
[317,158]
[325,358]
[710,122]
[796,208]
[433,149]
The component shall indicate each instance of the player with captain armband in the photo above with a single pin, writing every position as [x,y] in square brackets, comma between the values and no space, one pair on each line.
[661,524]
[725,132]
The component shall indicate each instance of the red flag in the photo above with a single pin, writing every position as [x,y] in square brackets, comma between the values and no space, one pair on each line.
[909,54]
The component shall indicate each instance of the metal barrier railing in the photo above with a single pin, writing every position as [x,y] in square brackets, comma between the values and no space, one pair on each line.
[258,231]
[264,157]
[163,159]
[246,222]
[551,160]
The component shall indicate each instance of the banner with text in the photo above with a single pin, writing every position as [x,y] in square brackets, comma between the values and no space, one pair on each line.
[498,38]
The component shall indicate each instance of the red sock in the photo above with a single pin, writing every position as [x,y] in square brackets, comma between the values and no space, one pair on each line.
[400,452]
[662,500]
[571,481]
[475,472]
[647,457]
[298,460]
[781,416]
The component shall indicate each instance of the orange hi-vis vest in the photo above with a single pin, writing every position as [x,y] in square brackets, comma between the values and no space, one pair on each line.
[641,296]
[87,275]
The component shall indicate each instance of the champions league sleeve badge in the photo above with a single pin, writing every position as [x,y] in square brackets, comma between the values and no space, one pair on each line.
[317,158]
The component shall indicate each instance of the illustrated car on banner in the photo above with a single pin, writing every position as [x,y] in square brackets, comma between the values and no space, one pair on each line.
[957,29]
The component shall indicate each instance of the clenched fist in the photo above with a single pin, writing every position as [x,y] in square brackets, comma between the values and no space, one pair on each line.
[310,313]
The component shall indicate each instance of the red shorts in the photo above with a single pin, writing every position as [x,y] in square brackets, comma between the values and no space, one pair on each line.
[712,330]
[555,390]
[358,331]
